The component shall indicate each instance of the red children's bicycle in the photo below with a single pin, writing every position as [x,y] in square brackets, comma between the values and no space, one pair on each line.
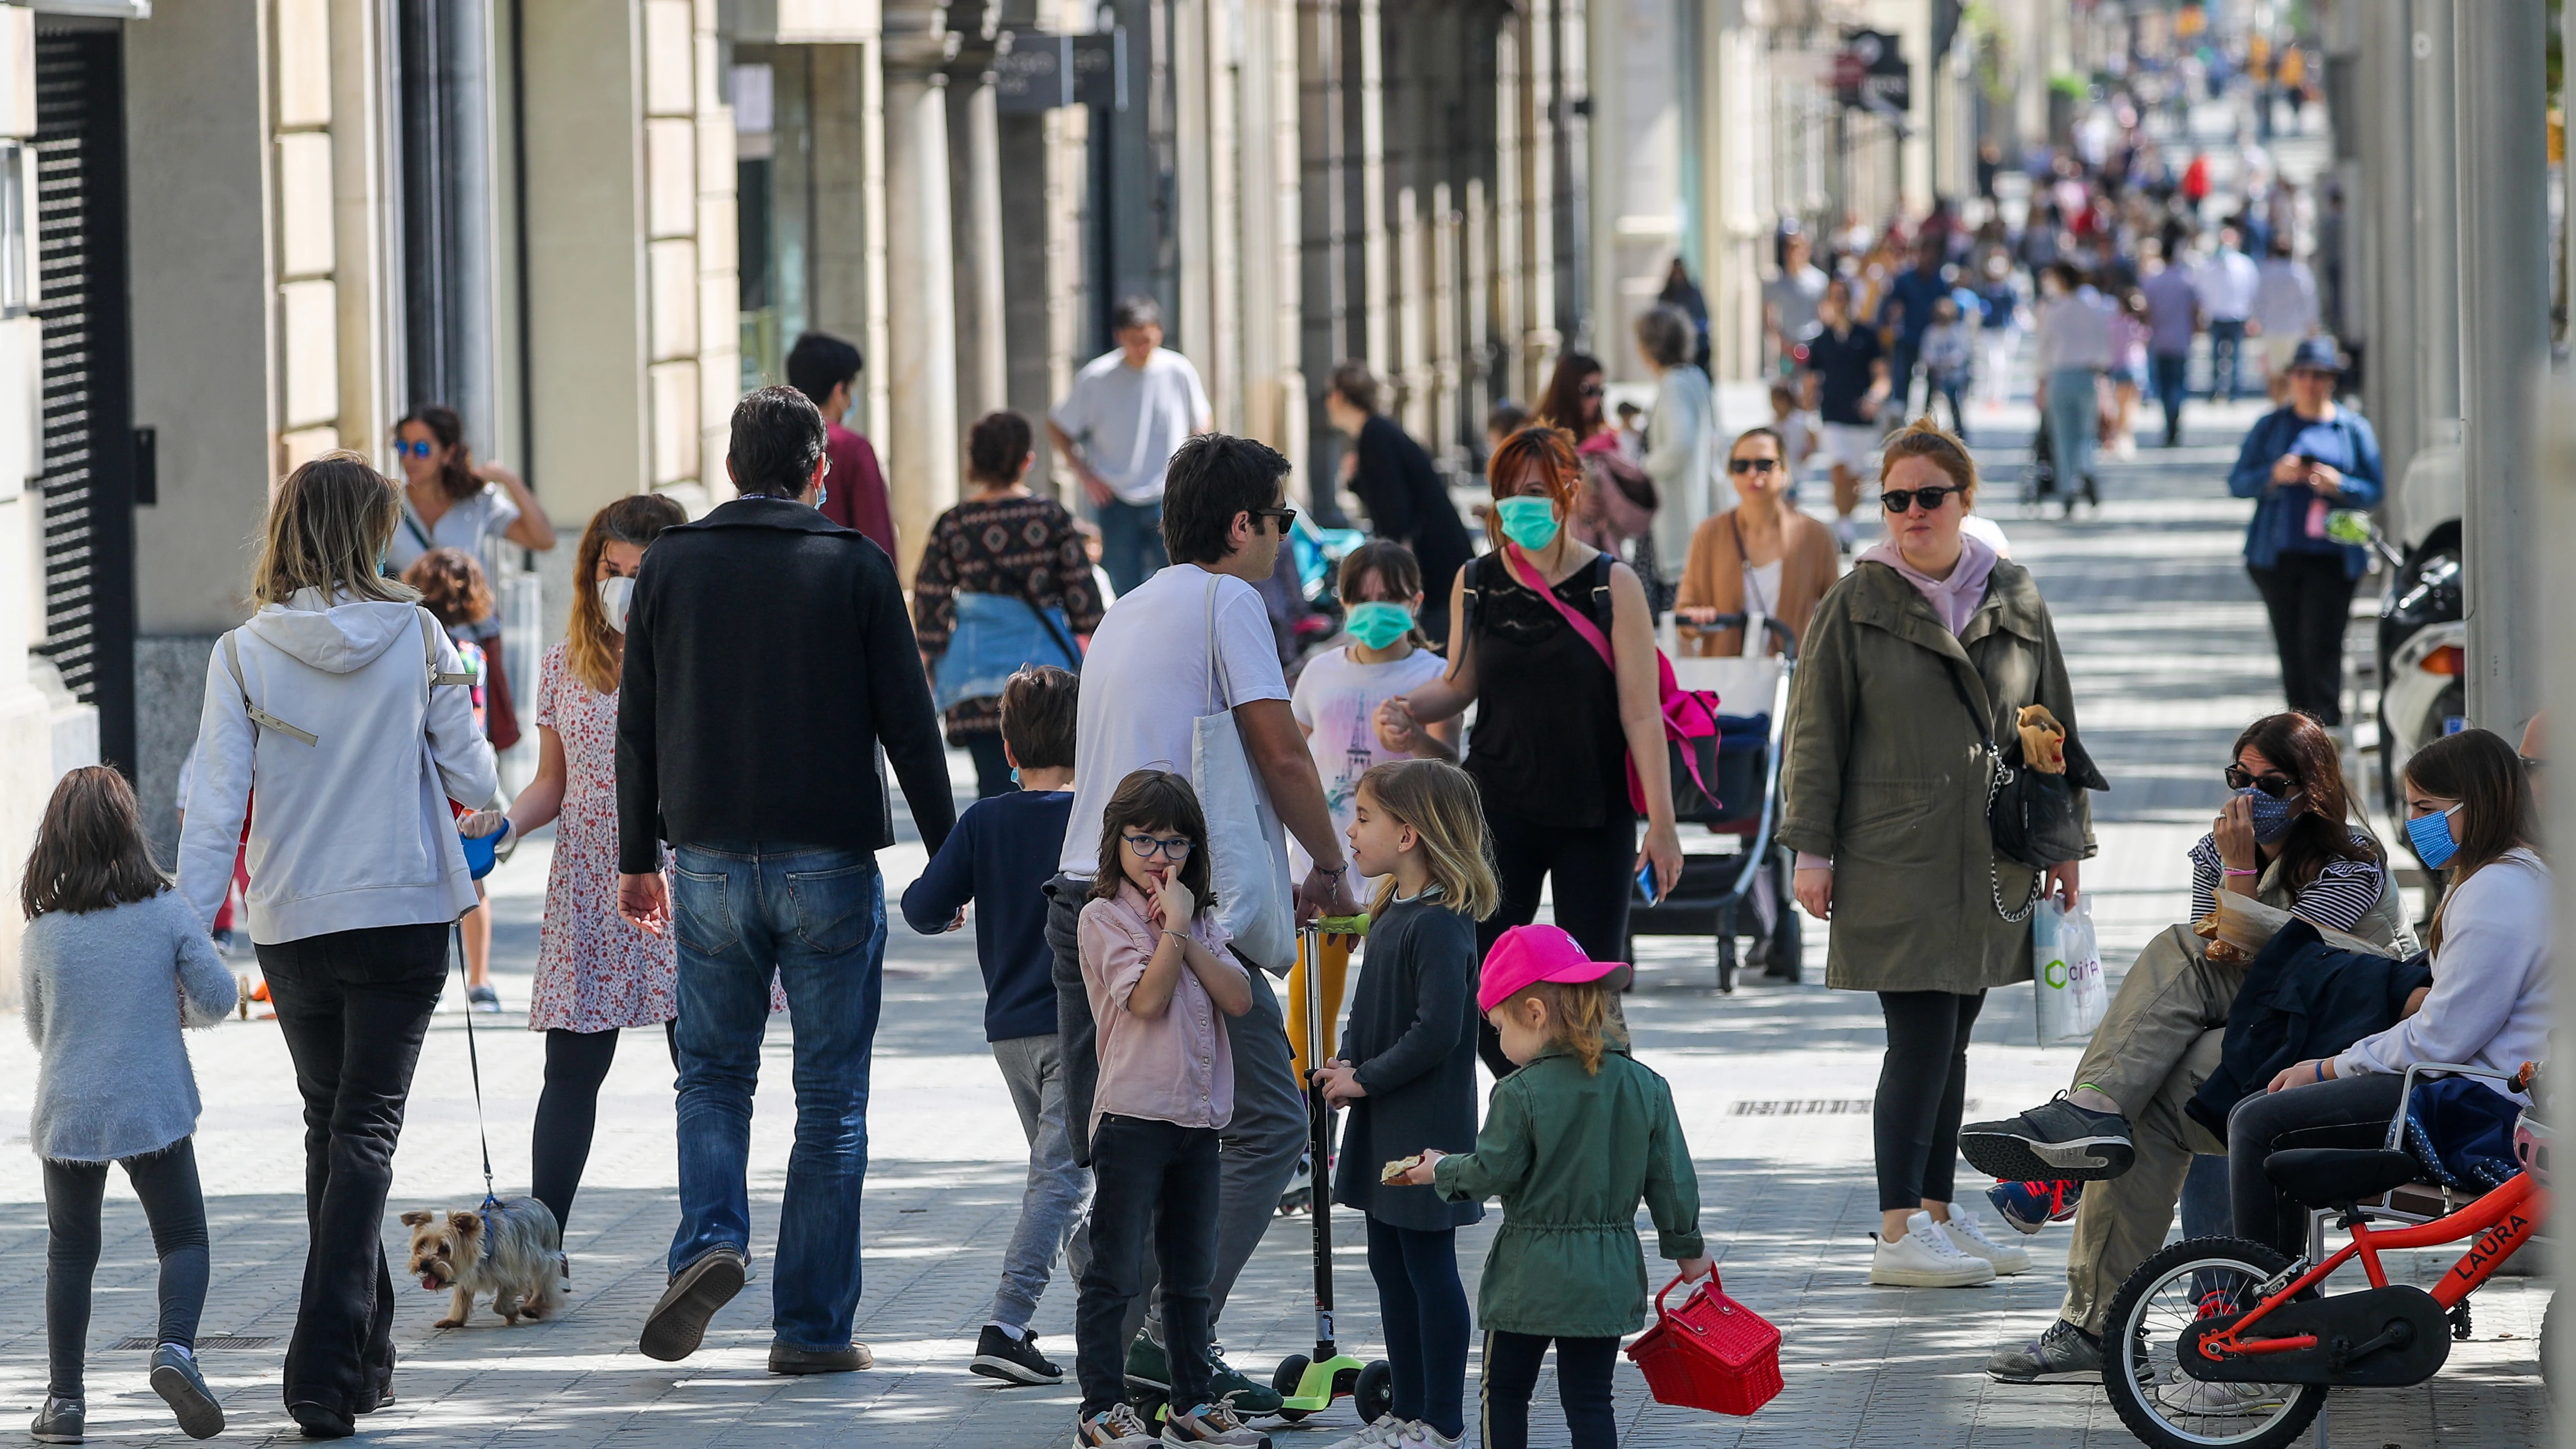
[2228,1342]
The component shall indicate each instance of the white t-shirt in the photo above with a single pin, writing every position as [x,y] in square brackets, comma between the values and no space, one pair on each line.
[1130,420]
[466,524]
[1147,681]
[1337,699]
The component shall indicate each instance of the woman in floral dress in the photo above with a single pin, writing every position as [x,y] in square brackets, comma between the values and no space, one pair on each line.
[1009,547]
[596,975]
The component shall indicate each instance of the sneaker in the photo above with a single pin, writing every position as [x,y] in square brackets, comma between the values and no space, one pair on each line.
[2065,1354]
[1376,1436]
[483,998]
[1926,1258]
[1245,1395]
[678,1323]
[1969,1237]
[2055,1139]
[1212,1424]
[176,1379]
[1147,1368]
[1419,1435]
[1012,1360]
[60,1421]
[2196,1399]
[1115,1427]
[2026,1207]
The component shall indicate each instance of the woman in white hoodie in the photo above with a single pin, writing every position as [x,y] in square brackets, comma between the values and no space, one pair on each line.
[343,706]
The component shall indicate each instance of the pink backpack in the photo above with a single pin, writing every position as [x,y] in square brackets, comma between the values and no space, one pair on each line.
[1689,714]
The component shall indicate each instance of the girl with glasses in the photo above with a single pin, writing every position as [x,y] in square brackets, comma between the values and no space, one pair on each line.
[1761,556]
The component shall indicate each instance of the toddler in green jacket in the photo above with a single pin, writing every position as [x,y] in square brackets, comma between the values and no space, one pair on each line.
[1571,1142]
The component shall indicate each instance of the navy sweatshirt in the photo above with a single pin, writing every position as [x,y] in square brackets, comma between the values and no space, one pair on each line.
[1003,849]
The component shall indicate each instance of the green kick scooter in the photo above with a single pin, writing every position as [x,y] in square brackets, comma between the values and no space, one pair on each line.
[1308,1384]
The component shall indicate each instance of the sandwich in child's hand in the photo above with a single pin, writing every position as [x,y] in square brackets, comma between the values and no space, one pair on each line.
[1395,1171]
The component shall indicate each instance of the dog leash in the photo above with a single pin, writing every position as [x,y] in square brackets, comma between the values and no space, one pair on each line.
[474,1063]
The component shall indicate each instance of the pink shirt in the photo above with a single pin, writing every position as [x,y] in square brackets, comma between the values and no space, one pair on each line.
[1173,1068]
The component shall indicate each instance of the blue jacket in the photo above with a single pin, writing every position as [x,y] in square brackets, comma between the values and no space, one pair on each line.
[2301,998]
[2280,429]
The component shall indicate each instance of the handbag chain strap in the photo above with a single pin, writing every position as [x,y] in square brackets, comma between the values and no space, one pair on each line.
[1998,775]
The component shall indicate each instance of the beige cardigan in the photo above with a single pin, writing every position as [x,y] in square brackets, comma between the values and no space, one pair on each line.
[1714,578]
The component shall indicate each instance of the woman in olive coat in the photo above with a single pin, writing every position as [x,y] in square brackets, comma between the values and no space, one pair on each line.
[1884,788]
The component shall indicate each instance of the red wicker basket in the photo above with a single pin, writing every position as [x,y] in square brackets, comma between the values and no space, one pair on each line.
[1710,1353]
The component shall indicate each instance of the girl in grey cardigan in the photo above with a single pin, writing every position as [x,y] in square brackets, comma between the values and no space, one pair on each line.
[113,963]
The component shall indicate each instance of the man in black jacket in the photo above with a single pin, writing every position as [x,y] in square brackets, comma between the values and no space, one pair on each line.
[1393,479]
[768,657]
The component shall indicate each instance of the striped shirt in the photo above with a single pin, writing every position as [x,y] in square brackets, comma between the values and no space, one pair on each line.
[2337,899]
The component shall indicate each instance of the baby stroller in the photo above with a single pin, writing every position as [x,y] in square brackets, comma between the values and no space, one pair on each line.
[1742,765]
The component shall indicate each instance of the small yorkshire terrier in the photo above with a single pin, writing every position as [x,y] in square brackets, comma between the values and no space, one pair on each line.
[511,1251]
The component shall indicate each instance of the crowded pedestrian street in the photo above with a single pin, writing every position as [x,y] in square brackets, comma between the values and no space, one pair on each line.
[2167,646]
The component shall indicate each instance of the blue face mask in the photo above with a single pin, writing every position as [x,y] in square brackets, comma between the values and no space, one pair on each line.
[1529,522]
[2432,837]
[1378,624]
[2272,818]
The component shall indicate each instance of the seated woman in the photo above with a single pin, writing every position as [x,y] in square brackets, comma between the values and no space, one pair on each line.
[2286,839]
[1761,556]
[2469,808]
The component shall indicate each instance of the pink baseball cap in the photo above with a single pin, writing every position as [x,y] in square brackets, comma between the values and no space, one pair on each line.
[1525,955]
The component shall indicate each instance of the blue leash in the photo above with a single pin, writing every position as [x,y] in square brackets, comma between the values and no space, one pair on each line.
[474,1063]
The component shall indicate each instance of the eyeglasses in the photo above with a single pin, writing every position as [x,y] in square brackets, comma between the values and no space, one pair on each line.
[417,450]
[1899,500]
[1751,465]
[1175,849]
[2279,787]
[1287,516]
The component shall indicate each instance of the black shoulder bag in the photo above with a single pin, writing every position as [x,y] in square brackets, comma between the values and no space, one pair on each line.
[2031,815]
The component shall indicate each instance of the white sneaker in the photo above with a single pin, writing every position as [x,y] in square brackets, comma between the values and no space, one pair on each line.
[1419,1435]
[1926,1258]
[1375,1436]
[2193,1398]
[1969,1237]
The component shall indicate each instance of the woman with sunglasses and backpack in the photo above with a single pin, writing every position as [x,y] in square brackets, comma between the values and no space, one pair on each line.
[1929,647]
[1761,556]
[1562,710]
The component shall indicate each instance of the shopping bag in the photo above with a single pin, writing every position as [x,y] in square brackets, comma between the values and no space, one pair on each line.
[2066,971]
[1247,846]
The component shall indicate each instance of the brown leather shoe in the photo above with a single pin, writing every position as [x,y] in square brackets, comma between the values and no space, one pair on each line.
[678,1323]
[789,1359]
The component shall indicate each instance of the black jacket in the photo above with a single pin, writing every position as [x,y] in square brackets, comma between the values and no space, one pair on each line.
[2301,998]
[768,655]
[1407,502]
[1412,1034]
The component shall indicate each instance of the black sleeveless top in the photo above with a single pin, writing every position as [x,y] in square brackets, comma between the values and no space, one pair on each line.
[1547,746]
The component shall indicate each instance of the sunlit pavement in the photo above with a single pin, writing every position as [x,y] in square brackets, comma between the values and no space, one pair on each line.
[2170,658]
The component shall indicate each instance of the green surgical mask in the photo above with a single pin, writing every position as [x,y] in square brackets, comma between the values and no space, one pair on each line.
[1378,624]
[1529,522]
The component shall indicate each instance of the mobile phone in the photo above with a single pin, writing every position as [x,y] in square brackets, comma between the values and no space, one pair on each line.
[1646,884]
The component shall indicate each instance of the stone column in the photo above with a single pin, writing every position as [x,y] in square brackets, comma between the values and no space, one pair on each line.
[921,308]
[975,192]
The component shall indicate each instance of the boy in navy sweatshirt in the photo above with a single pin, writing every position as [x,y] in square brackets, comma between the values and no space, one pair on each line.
[1003,849]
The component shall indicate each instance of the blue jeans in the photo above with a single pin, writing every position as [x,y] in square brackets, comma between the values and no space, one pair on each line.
[1131,542]
[2226,340]
[2074,419]
[816,918]
[2172,386]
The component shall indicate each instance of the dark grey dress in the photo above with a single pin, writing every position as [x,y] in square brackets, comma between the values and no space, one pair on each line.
[1412,1033]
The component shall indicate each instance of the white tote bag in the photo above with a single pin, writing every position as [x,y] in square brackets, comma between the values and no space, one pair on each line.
[1247,848]
[2066,971]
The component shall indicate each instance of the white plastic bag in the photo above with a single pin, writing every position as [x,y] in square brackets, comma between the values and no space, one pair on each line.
[2066,971]
[1247,848]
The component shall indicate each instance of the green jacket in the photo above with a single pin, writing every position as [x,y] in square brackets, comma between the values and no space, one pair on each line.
[1570,1154]
[1881,771]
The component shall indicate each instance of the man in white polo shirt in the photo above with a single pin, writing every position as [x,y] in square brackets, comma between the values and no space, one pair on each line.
[1128,412]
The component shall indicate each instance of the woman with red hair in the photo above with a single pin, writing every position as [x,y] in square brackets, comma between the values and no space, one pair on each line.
[1563,707]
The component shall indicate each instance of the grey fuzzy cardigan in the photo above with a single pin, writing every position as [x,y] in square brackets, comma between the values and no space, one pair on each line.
[106,993]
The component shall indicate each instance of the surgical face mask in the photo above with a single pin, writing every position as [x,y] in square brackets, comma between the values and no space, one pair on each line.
[2272,818]
[1529,522]
[614,595]
[2432,837]
[1378,624]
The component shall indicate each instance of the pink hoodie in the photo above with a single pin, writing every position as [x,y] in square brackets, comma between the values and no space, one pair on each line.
[1954,600]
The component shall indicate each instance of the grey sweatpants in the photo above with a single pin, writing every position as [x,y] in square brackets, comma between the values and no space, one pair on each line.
[1058,1190]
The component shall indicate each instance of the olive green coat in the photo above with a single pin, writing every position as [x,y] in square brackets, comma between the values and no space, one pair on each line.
[1570,1153]
[1884,774]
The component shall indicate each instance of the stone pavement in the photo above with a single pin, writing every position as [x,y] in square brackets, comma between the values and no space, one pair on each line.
[2170,658]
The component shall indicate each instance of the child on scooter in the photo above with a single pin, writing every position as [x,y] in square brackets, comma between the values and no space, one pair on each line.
[1407,1073]
[1572,1140]
[1161,984]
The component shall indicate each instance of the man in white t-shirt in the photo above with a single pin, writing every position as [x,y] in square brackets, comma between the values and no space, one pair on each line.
[1128,412]
[1146,681]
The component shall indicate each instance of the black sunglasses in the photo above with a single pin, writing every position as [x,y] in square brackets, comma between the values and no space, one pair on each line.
[1590,389]
[1751,465]
[2278,787]
[1287,517]
[1898,500]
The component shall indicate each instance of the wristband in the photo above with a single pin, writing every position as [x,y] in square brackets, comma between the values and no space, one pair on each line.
[2321,1069]
[2231,870]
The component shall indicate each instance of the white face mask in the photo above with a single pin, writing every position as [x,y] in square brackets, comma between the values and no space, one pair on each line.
[614,594]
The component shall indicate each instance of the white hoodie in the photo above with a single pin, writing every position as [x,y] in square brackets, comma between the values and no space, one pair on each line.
[354,831]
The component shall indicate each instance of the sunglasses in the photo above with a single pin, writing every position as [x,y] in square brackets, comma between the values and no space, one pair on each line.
[1590,390]
[1287,516]
[417,450]
[2279,787]
[1175,849]
[1899,500]
[1751,465]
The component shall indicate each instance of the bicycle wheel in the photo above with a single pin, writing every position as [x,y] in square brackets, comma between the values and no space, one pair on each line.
[2162,1405]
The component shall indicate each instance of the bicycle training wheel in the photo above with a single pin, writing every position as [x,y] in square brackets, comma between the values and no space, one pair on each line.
[2167,1408]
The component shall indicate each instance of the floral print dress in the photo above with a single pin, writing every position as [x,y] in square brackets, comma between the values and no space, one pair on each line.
[594,971]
